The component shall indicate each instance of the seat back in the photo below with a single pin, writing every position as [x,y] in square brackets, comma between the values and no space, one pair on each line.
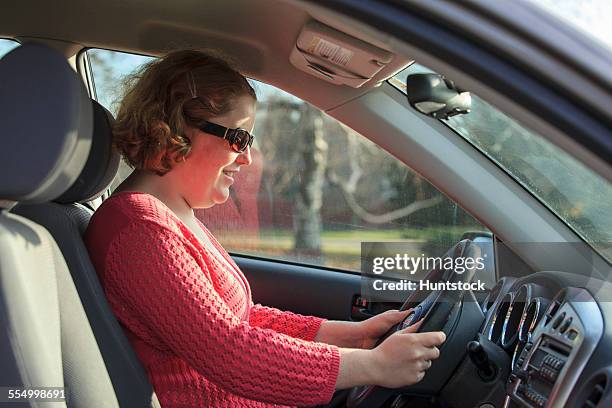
[66,219]
[45,336]
[30,325]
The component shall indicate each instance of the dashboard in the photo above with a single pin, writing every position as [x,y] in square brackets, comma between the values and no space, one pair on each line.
[550,327]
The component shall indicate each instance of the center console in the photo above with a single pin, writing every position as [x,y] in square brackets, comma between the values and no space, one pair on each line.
[558,349]
[535,382]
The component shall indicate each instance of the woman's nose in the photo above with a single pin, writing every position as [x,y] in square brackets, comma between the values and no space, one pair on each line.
[244,158]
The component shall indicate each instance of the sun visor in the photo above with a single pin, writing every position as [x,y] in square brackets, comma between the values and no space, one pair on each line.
[337,57]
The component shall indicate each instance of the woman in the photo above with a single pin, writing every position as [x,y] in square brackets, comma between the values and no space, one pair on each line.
[185,305]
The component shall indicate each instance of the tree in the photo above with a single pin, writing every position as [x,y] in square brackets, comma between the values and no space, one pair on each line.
[312,149]
[349,186]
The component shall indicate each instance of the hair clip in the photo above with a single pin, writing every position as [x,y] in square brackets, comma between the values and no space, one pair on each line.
[191,84]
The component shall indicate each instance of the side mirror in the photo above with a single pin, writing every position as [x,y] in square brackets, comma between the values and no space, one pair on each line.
[436,96]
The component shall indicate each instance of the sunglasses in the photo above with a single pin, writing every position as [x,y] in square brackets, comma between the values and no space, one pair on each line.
[239,139]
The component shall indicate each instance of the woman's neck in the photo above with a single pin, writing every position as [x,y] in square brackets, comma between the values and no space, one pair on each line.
[163,189]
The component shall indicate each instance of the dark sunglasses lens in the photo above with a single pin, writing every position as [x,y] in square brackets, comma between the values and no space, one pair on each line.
[242,139]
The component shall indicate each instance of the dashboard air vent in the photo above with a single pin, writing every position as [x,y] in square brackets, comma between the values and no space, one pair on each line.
[491,297]
[554,306]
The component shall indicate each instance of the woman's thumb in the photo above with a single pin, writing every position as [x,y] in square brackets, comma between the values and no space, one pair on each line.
[399,315]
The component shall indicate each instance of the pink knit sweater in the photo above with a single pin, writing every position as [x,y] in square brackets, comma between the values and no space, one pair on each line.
[191,320]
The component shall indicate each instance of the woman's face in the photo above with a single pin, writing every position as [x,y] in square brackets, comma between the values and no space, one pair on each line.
[209,169]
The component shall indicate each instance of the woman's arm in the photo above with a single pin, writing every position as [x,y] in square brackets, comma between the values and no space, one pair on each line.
[363,334]
[338,333]
[159,279]
[289,323]
[400,360]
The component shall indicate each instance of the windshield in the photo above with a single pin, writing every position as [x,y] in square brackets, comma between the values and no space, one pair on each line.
[590,16]
[577,195]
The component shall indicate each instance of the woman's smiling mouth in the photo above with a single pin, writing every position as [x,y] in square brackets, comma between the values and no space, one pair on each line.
[230,174]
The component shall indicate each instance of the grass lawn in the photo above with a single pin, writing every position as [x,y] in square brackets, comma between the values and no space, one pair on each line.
[340,249]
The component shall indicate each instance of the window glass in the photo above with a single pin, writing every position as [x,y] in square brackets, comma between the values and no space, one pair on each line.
[109,69]
[316,189]
[6,45]
[576,194]
[590,16]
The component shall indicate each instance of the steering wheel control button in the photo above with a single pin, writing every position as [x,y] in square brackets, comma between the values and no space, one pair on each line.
[412,317]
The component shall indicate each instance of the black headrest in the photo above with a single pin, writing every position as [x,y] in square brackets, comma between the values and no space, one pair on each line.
[102,164]
[46,124]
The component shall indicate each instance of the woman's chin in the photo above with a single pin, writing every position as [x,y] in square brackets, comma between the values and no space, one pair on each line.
[221,196]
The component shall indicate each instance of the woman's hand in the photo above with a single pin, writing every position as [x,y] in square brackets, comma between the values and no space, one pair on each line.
[372,329]
[400,360]
[403,357]
[363,335]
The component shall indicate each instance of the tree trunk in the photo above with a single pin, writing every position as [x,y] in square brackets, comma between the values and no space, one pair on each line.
[307,215]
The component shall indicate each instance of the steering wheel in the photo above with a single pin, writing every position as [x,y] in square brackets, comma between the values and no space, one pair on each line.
[436,308]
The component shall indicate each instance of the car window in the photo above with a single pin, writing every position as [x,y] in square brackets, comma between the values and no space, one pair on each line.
[590,16]
[576,194]
[6,45]
[316,189]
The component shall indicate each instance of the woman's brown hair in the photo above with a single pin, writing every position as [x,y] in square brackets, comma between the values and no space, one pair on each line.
[158,102]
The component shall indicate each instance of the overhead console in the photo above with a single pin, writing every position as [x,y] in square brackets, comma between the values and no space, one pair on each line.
[548,367]
[337,57]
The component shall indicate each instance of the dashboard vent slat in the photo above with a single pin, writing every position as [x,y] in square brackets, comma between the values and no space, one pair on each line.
[489,301]
[554,306]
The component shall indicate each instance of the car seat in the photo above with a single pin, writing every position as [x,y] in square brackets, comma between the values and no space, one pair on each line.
[57,329]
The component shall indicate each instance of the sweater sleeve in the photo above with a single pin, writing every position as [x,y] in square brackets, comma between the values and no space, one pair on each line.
[159,276]
[291,324]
